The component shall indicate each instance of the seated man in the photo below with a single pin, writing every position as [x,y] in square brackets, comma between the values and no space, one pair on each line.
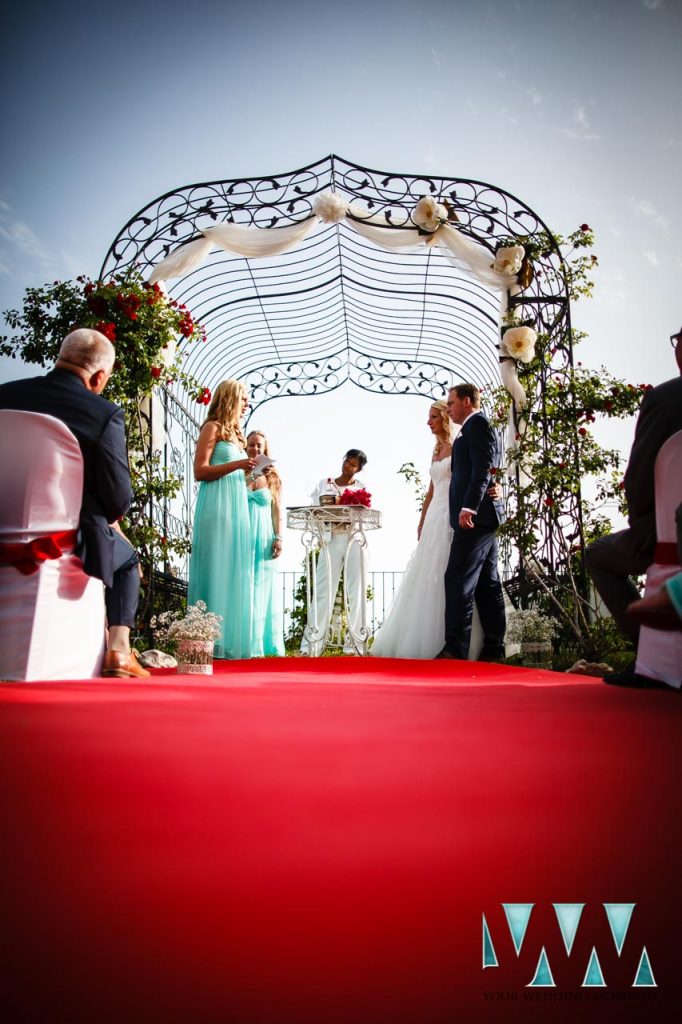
[71,392]
[614,559]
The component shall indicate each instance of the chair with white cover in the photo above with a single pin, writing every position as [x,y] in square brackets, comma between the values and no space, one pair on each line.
[659,653]
[51,613]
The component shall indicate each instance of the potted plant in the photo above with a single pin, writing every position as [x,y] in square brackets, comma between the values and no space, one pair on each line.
[192,637]
[533,632]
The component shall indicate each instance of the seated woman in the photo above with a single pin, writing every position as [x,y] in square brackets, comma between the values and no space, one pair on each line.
[328,573]
[264,494]
[221,570]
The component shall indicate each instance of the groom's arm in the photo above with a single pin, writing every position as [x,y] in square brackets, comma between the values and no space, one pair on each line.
[482,447]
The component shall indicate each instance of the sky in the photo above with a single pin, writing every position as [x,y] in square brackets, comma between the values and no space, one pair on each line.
[574,107]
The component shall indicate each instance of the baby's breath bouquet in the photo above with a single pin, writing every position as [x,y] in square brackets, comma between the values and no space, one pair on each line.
[530,626]
[197,624]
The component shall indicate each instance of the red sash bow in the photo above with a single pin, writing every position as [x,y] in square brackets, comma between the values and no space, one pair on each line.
[27,557]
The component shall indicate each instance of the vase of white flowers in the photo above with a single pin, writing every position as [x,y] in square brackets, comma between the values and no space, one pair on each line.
[194,636]
[533,632]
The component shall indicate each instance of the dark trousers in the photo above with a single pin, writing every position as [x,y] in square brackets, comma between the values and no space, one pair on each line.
[472,574]
[612,561]
[121,598]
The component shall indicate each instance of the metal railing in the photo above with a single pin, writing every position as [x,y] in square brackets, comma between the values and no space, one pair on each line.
[382,586]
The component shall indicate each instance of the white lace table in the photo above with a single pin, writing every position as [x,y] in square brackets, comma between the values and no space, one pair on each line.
[316,523]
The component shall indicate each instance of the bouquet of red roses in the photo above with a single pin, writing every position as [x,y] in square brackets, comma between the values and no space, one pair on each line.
[356,497]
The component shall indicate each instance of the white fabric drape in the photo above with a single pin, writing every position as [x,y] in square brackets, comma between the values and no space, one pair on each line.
[248,242]
[260,242]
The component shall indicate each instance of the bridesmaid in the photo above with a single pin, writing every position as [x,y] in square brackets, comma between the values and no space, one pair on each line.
[265,513]
[221,569]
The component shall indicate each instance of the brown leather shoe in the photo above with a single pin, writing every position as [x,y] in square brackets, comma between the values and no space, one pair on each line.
[123,666]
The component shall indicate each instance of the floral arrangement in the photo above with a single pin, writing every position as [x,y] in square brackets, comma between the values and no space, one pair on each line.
[330,208]
[138,318]
[519,343]
[197,624]
[356,497]
[530,626]
[429,215]
[509,259]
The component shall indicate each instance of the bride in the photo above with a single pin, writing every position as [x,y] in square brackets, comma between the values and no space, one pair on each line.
[415,625]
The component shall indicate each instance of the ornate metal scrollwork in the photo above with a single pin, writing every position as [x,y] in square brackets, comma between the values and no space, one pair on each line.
[304,322]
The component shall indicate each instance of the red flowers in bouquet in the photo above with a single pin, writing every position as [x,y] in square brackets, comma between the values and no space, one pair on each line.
[356,497]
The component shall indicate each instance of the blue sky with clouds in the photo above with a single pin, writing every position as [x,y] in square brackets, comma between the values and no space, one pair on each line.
[572,106]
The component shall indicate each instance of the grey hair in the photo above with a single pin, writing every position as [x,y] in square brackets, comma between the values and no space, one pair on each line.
[88,349]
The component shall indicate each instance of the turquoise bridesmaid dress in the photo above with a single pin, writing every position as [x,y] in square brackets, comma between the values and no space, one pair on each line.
[267,635]
[221,566]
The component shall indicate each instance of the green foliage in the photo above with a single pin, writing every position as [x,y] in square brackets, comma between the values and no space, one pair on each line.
[412,476]
[298,617]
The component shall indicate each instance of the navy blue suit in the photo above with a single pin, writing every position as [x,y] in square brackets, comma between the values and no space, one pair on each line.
[472,567]
[98,426]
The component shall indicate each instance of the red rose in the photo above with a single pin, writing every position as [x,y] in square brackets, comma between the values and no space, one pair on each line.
[155,372]
[107,329]
[582,431]
[549,502]
[98,305]
[585,227]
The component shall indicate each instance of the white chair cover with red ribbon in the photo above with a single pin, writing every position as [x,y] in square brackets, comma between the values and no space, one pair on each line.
[51,612]
[659,653]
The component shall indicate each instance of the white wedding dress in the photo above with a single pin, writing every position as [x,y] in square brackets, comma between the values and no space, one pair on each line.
[415,625]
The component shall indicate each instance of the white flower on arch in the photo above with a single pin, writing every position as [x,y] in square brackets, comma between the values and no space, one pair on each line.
[519,343]
[429,214]
[330,208]
[509,259]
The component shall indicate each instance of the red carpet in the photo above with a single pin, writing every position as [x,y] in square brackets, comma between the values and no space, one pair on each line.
[317,841]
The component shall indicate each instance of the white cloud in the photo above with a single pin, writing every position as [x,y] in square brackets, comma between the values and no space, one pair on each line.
[436,57]
[651,258]
[612,287]
[645,208]
[506,115]
[23,254]
[652,5]
[536,96]
[582,126]
[20,236]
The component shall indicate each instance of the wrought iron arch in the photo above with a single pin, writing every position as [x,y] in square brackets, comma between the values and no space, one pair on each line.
[338,307]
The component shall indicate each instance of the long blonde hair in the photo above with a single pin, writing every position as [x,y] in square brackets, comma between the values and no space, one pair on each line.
[271,475]
[448,428]
[226,410]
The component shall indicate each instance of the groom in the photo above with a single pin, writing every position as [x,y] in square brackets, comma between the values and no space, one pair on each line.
[474,517]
